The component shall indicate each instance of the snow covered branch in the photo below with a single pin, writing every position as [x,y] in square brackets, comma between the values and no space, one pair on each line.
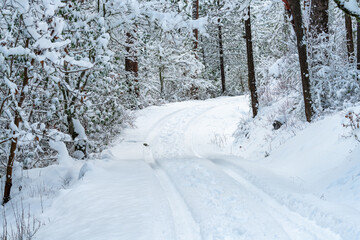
[350,7]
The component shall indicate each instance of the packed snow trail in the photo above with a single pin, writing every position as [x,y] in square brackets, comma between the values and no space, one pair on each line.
[172,178]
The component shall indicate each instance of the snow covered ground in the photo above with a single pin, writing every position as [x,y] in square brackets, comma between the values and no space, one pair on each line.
[179,176]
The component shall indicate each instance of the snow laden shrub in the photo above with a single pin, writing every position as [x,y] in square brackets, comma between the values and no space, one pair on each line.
[30,47]
[335,82]
[56,67]
[353,123]
[88,90]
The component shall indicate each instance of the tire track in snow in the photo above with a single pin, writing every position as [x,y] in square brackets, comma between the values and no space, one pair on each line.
[286,217]
[347,227]
[179,144]
[293,223]
[185,226]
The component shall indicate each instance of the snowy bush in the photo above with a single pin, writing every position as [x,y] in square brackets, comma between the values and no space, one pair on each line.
[353,123]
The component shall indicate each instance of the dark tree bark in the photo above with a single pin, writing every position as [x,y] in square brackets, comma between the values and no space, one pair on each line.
[14,140]
[319,17]
[319,26]
[131,65]
[358,46]
[349,37]
[195,16]
[70,109]
[221,53]
[299,31]
[161,78]
[251,67]
[358,43]
[203,56]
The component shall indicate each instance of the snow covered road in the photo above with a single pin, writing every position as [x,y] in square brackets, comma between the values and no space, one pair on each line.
[174,178]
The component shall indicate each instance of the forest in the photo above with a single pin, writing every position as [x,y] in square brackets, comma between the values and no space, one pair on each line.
[74,74]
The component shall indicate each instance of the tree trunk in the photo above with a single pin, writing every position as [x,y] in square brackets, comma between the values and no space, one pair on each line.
[251,67]
[161,78]
[13,147]
[68,104]
[358,46]
[319,17]
[131,65]
[221,53]
[195,16]
[203,56]
[301,45]
[349,38]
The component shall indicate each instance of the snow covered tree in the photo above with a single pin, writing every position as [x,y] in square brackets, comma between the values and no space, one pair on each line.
[31,44]
[195,16]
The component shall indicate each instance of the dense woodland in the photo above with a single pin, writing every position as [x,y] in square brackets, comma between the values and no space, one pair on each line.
[72,71]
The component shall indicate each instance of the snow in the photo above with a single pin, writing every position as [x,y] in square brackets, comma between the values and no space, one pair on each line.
[126,203]
[14,51]
[12,86]
[79,129]
[21,5]
[275,69]
[13,127]
[352,6]
[180,175]
[80,63]
[52,6]
[46,43]
[63,155]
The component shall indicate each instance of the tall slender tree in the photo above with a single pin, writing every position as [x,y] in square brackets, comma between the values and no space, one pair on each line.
[195,16]
[304,67]
[221,56]
[221,49]
[131,65]
[358,45]
[14,140]
[251,67]
[349,37]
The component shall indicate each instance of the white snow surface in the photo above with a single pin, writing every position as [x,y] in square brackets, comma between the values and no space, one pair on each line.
[176,176]
[79,129]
